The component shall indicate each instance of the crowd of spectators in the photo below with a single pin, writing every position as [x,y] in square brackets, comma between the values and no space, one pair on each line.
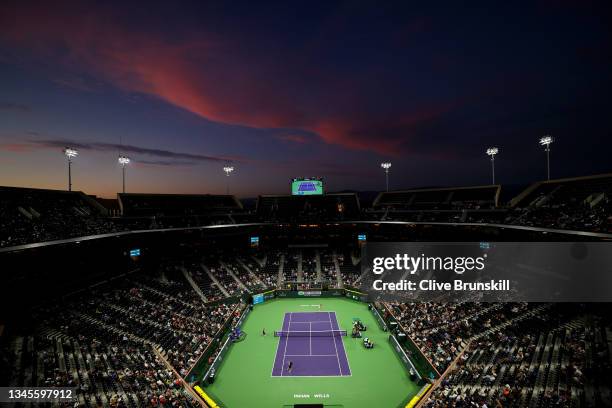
[309,266]
[568,215]
[441,331]
[34,215]
[328,268]
[267,274]
[528,363]
[251,282]
[200,276]
[349,270]
[122,344]
[218,269]
[181,332]
[29,215]
[106,369]
[132,341]
[290,268]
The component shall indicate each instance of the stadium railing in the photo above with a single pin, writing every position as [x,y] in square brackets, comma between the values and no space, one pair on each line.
[421,362]
[196,371]
[209,401]
[224,348]
[378,317]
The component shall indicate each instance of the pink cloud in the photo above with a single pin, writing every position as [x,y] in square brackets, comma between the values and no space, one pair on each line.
[210,77]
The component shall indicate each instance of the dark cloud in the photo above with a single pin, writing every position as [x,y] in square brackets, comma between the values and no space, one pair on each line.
[14,107]
[165,163]
[179,157]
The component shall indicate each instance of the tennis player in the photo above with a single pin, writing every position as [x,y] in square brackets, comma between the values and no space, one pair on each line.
[290,366]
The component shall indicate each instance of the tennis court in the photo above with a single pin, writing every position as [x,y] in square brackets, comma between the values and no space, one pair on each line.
[312,342]
[378,376]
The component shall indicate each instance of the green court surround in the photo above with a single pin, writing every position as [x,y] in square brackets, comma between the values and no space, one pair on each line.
[244,377]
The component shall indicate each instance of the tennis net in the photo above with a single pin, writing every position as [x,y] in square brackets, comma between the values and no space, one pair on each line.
[310,333]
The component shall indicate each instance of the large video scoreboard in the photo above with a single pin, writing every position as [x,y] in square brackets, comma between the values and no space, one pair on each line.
[307,186]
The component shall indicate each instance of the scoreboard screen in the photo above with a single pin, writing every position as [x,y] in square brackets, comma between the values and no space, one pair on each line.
[307,186]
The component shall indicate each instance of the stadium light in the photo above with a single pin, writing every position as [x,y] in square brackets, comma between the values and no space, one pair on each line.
[546,141]
[228,170]
[386,166]
[492,151]
[70,154]
[123,161]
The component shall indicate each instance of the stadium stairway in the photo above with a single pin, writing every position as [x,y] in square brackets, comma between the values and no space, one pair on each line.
[524,316]
[18,345]
[260,262]
[149,322]
[110,328]
[233,275]
[338,273]
[192,283]
[215,280]
[162,294]
[281,270]
[250,272]
[356,282]
[318,266]
[300,267]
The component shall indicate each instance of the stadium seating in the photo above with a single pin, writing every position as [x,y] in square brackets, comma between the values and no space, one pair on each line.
[142,205]
[329,270]
[528,363]
[266,271]
[132,341]
[440,198]
[125,343]
[583,203]
[314,208]
[310,266]
[33,215]
[350,271]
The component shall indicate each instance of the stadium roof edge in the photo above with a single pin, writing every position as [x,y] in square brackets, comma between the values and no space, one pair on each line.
[577,178]
[208,227]
[443,188]
[512,203]
[50,190]
[420,190]
[175,194]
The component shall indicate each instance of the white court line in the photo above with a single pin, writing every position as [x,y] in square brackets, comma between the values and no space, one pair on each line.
[310,338]
[335,346]
[350,374]
[343,348]
[285,351]
[311,355]
[276,356]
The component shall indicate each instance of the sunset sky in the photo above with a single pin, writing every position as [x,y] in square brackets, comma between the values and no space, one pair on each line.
[285,89]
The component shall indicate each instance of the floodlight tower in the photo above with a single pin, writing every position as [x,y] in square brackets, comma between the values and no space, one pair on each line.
[123,161]
[228,170]
[70,154]
[386,166]
[492,151]
[546,141]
